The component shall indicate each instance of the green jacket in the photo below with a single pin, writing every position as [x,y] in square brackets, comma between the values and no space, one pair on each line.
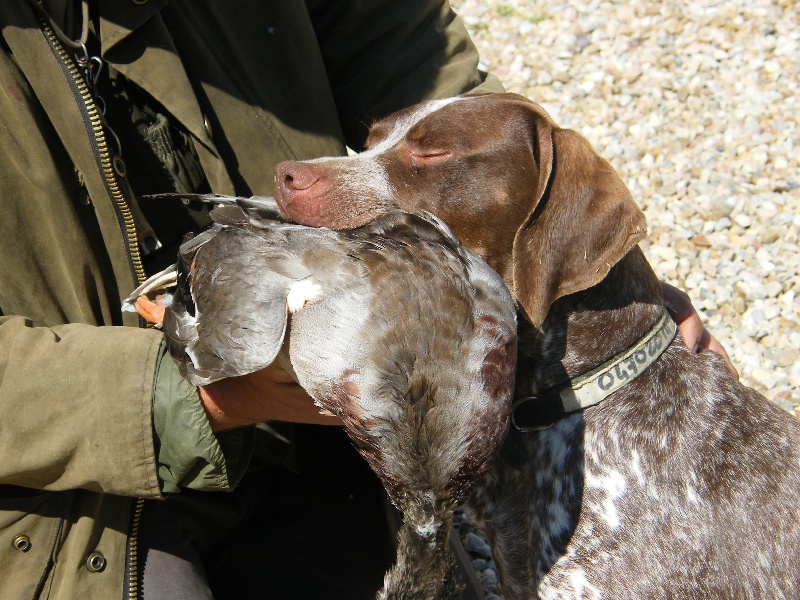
[252,83]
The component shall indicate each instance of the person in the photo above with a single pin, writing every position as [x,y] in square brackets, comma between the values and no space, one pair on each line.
[118,477]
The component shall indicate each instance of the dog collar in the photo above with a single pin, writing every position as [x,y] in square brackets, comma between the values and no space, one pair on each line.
[541,411]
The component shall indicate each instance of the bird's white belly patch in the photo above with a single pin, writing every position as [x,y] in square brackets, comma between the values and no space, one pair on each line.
[300,293]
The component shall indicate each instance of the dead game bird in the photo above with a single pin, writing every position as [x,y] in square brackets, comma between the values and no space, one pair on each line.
[394,327]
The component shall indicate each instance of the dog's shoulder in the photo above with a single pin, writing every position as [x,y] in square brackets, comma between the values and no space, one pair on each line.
[692,494]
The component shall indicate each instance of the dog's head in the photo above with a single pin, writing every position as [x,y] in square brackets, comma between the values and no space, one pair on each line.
[534,200]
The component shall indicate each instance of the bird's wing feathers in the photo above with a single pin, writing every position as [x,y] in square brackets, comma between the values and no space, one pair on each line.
[239,286]
[161,280]
[258,209]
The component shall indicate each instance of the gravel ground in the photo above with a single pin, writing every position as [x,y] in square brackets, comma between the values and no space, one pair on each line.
[695,103]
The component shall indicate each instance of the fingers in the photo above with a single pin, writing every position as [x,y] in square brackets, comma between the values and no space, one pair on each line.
[691,328]
[715,346]
[678,303]
[680,307]
[266,395]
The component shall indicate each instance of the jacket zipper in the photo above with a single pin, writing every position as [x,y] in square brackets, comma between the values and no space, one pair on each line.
[101,148]
[132,555]
[103,156]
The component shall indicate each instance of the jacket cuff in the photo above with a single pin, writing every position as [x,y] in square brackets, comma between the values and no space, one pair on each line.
[189,454]
[489,84]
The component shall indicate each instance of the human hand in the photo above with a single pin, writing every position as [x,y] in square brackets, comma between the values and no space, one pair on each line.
[694,334]
[266,395]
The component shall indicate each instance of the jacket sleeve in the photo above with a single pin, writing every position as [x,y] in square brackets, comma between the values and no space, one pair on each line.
[384,55]
[77,405]
[189,454]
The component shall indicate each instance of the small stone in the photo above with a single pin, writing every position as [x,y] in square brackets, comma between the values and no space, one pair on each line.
[736,240]
[488,579]
[769,341]
[544,78]
[667,254]
[582,41]
[784,402]
[668,189]
[700,240]
[480,565]
[562,77]
[787,357]
[787,299]
[754,323]
[632,74]
[739,304]
[770,236]
[476,545]
[766,377]
[773,289]
[722,224]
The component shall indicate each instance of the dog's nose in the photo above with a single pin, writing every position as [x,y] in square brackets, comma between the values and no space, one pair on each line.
[295,176]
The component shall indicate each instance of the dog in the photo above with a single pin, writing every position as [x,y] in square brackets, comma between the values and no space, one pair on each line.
[634,467]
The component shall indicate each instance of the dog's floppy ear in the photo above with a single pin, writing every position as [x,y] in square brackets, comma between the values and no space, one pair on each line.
[583,221]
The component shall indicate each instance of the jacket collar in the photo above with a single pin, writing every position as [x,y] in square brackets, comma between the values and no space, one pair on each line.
[121,18]
[135,40]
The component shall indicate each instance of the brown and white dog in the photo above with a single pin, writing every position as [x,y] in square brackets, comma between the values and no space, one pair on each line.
[635,468]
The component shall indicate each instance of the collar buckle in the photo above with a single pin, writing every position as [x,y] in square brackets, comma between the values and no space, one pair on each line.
[534,413]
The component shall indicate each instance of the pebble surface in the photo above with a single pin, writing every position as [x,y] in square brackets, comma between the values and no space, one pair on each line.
[695,103]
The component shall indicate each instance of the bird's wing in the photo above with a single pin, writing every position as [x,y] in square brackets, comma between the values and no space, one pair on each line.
[234,319]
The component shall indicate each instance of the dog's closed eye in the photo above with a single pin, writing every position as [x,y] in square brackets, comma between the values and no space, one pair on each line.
[421,157]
